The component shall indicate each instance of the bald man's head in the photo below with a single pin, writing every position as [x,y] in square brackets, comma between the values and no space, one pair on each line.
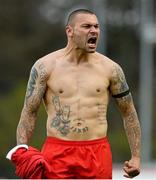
[73,14]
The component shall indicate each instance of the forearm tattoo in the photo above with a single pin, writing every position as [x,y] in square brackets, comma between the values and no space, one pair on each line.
[132,128]
[34,94]
[120,90]
[131,124]
[25,127]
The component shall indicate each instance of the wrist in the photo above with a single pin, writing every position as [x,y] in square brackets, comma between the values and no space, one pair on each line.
[135,157]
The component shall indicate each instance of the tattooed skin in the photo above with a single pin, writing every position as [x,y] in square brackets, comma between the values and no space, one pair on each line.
[32,82]
[131,123]
[118,82]
[126,106]
[101,113]
[25,127]
[61,121]
[132,128]
[79,129]
[34,94]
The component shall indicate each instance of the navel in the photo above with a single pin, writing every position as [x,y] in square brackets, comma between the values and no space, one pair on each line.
[60,91]
[79,124]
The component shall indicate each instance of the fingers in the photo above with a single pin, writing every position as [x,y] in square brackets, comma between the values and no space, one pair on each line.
[132,174]
[127,167]
[130,170]
[127,176]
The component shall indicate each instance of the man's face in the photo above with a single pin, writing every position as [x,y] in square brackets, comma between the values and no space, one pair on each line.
[86,32]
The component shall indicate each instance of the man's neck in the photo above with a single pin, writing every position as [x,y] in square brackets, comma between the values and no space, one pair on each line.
[76,56]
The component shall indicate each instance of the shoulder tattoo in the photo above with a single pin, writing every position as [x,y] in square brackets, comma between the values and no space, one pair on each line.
[119,86]
[37,81]
[32,82]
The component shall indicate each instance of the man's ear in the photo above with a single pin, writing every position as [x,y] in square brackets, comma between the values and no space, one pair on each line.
[69,31]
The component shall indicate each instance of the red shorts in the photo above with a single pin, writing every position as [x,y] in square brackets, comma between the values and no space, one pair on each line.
[78,159]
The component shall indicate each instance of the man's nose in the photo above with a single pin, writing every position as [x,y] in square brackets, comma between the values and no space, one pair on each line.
[93,29]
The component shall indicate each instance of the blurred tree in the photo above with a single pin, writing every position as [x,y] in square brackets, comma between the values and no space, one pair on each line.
[25,37]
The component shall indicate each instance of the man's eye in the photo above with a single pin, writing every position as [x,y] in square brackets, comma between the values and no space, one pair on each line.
[89,26]
[86,26]
[96,26]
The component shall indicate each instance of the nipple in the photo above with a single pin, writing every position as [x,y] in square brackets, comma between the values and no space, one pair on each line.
[98,90]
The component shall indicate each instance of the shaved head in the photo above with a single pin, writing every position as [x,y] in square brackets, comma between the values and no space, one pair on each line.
[73,14]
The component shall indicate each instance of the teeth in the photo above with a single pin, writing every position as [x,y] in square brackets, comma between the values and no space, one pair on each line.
[92,40]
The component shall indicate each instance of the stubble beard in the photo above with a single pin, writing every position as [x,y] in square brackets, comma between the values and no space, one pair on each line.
[87,49]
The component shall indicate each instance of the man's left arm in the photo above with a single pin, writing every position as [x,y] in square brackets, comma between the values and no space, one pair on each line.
[120,91]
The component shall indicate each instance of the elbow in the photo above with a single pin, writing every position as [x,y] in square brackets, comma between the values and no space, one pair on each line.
[29,111]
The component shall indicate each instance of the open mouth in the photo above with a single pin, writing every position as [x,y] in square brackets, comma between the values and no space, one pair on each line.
[92,40]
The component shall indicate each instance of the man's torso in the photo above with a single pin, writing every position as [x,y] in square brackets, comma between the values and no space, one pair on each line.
[76,98]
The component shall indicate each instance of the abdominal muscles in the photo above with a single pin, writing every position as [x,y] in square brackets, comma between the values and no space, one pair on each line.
[77,119]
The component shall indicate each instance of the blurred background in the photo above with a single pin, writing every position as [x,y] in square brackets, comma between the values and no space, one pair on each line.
[31,29]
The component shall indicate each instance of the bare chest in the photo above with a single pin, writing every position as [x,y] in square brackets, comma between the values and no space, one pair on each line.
[83,81]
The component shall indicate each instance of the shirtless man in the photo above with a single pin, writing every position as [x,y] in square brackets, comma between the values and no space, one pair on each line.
[75,84]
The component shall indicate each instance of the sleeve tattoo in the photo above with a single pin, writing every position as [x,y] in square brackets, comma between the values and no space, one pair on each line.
[127,109]
[34,94]
[118,82]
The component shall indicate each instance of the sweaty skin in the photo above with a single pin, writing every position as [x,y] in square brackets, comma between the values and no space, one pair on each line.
[75,84]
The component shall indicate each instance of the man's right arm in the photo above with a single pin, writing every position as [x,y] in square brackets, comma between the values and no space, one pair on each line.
[35,91]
